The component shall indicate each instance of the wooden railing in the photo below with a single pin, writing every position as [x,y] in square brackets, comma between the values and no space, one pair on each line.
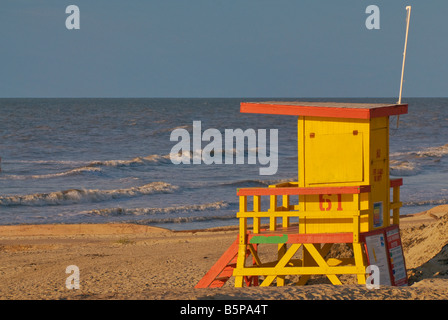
[288,210]
[396,204]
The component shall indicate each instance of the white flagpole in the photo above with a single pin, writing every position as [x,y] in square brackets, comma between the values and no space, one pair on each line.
[408,9]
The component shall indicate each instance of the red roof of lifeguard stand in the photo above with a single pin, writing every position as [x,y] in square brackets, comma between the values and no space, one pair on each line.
[325,109]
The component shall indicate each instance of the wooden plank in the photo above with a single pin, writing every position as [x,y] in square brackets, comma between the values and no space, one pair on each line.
[302,191]
[346,237]
[300,214]
[324,109]
[389,111]
[257,271]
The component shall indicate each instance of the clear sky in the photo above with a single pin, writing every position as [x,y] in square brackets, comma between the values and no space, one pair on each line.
[222,48]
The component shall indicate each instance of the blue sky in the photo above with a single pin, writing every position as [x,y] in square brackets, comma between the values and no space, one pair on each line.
[228,48]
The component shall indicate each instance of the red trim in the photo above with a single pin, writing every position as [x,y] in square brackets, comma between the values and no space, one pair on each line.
[332,112]
[396,182]
[389,111]
[321,238]
[302,191]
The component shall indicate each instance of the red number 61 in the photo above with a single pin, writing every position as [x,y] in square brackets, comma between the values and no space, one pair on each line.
[326,198]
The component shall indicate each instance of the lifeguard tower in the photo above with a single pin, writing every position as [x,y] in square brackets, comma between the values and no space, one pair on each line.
[342,195]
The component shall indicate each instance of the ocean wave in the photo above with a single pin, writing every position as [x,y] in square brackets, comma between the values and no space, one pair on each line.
[429,152]
[436,152]
[64,162]
[138,161]
[425,202]
[403,168]
[153,158]
[197,154]
[92,167]
[73,196]
[151,211]
[410,163]
[255,183]
[184,219]
[72,172]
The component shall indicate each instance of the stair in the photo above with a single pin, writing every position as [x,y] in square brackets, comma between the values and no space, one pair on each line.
[222,270]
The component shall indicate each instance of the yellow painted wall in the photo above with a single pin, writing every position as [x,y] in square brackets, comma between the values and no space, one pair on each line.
[344,152]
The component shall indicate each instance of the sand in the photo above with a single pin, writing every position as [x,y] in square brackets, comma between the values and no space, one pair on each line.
[128,262]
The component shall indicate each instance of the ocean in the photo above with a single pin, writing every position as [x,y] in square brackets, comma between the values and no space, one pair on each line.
[107,160]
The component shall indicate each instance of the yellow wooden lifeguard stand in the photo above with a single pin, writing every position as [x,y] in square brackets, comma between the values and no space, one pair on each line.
[343,193]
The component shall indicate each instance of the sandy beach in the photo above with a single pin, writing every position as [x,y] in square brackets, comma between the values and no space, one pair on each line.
[125,261]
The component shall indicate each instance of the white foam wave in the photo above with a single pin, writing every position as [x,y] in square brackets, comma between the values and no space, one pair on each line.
[72,196]
[76,171]
[437,152]
[403,168]
[92,167]
[154,158]
[197,155]
[152,211]
[185,219]
[138,161]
